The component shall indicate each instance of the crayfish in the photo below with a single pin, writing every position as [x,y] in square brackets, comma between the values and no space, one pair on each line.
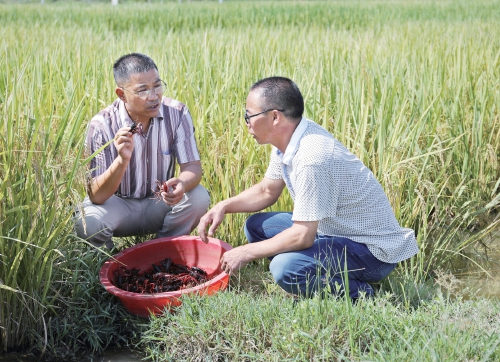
[165,277]
[137,128]
[161,187]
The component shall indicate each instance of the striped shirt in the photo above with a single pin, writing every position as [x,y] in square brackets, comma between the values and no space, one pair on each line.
[331,185]
[170,138]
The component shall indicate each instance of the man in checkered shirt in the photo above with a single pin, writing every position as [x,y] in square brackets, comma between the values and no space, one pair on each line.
[342,222]
[137,140]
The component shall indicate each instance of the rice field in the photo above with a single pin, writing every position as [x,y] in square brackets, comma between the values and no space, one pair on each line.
[412,88]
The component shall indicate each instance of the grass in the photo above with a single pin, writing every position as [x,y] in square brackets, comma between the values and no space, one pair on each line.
[412,88]
[248,325]
[313,331]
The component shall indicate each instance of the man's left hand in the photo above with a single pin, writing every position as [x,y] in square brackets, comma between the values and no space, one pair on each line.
[235,259]
[174,193]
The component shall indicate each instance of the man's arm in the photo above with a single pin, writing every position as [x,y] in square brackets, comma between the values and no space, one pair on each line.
[105,185]
[298,237]
[256,198]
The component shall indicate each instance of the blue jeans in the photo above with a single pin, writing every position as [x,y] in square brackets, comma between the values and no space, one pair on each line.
[326,266]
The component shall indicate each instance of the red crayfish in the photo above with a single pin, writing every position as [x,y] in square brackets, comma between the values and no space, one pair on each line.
[166,277]
[137,128]
[161,187]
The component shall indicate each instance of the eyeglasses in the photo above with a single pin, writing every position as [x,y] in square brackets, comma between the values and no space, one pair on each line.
[145,93]
[247,116]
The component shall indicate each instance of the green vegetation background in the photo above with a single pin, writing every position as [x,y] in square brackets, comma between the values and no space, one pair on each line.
[412,88]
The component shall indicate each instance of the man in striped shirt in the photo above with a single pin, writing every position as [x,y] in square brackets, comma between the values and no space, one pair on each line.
[342,227]
[143,134]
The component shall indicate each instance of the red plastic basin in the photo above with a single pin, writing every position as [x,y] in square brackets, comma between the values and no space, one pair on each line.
[187,250]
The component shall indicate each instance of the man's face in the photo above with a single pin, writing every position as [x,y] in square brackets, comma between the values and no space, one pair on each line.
[141,109]
[259,126]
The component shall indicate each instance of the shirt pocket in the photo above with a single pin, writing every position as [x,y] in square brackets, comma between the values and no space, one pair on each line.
[166,153]
[166,157]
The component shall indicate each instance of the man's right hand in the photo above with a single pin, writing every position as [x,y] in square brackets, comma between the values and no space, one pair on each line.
[214,218]
[124,143]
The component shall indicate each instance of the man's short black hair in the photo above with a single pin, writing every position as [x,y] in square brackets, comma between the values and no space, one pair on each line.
[281,93]
[132,63]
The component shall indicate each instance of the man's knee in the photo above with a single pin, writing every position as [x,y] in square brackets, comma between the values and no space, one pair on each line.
[254,230]
[281,268]
[255,221]
[200,200]
[250,229]
[265,225]
[296,275]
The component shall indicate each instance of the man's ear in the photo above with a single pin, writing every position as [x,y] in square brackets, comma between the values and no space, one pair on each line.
[276,116]
[120,93]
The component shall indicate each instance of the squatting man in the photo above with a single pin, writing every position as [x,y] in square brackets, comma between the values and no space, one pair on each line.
[342,222]
[149,134]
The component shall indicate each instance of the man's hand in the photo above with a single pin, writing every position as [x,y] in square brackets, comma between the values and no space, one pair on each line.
[235,259]
[213,217]
[174,193]
[124,143]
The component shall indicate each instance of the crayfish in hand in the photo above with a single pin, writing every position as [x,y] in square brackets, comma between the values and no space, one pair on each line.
[161,187]
[165,277]
[137,128]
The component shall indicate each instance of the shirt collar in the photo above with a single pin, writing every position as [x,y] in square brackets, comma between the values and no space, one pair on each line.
[159,117]
[293,145]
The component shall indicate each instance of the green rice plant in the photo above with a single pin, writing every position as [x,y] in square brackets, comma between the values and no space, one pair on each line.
[87,318]
[35,193]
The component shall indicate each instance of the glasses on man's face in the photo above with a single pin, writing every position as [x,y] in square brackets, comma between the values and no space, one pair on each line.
[158,90]
[248,116]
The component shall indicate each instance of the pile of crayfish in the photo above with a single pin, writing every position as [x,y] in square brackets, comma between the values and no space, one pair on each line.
[166,277]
